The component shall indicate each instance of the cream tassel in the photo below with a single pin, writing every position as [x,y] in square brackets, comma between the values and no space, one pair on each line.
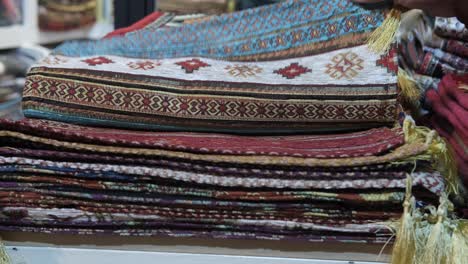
[4,258]
[439,241]
[459,250]
[405,243]
[382,38]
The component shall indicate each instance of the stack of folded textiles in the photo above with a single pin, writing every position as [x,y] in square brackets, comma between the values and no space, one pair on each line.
[450,112]
[62,15]
[319,188]
[125,138]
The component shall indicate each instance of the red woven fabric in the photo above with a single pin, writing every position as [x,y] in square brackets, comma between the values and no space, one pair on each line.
[451,117]
[366,143]
[136,26]
[449,86]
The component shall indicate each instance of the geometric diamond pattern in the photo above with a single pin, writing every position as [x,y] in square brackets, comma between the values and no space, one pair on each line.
[219,107]
[192,65]
[344,65]
[389,60]
[143,65]
[97,61]
[292,71]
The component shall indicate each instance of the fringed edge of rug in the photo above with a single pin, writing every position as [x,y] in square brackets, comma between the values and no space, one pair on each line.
[430,238]
[431,235]
[440,152]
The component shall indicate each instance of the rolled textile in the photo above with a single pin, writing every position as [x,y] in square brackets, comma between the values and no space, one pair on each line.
[429,49]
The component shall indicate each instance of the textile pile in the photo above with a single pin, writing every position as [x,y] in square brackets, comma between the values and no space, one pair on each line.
[315,188]
[269,130]
[62,15]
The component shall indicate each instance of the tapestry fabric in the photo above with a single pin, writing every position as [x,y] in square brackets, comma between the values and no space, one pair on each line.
[63,178]
[365,143]
[288,29]
[115,140]
[346,89]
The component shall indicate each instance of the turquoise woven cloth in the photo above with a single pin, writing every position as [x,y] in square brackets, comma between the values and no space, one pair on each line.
[288,29]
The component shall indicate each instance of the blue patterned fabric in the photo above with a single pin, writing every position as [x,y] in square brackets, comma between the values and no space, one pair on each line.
[274,28]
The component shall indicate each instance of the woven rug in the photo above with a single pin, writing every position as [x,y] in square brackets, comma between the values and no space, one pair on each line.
[363,202]
[313,212]
[365,143]
[163,232]
[220,169]
[408,151]
[345,89]
[103,176]
[288,29]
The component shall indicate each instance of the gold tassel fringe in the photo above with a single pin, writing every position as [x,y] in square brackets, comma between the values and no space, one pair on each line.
[410,91]
[441,153]
[434,237]
[431,238]
[381,39]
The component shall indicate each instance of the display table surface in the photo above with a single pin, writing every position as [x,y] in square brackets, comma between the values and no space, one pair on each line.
[32,248]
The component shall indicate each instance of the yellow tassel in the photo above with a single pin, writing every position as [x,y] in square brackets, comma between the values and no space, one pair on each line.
[231,6]
[381,39]
[422,230]
[443,155]
[439,241]
[459,250]
[404,247]
[4,258]
[439,150]
[410,91]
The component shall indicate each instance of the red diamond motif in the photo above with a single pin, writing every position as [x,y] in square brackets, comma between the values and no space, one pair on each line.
[292,71]
[97,61]
[192,65]
[389,61]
